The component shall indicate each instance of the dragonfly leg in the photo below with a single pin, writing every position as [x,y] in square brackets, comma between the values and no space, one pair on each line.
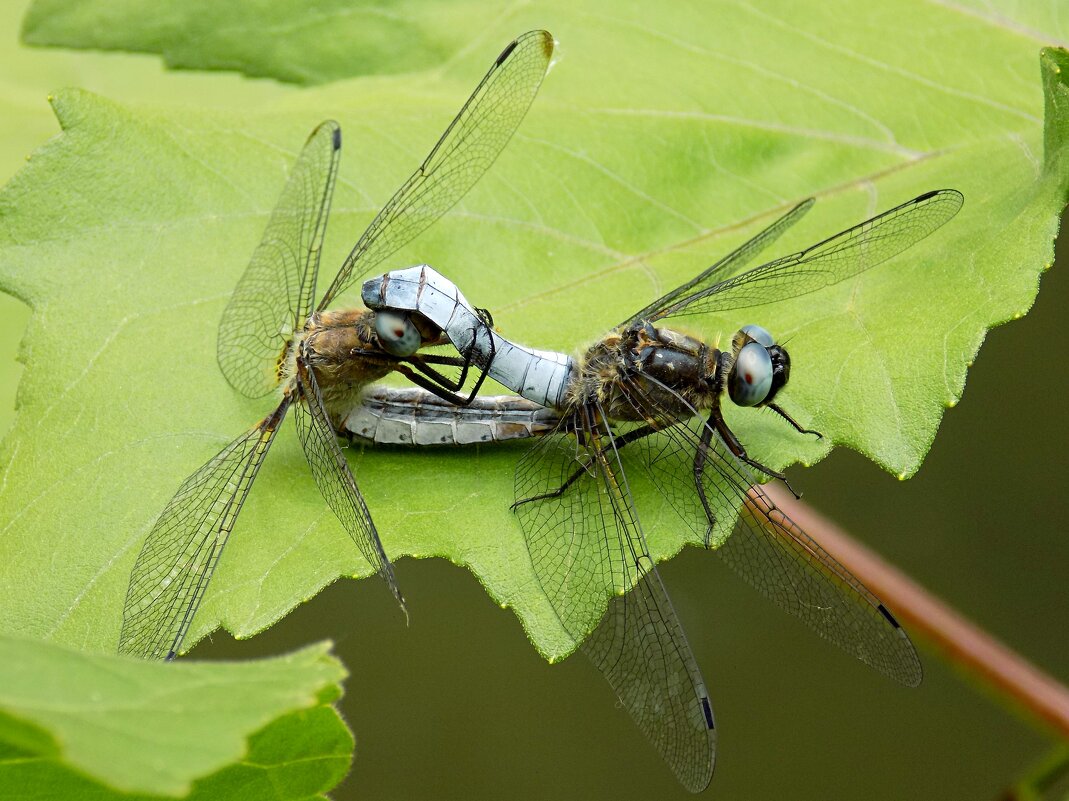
[778,410]
[432,386]
[619,443]
[445,387]
[700,455]
[739,451]
[423,364]
[486,321]
[555,493]
[451,361]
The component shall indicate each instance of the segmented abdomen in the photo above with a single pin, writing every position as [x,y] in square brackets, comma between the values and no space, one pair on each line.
[413,416]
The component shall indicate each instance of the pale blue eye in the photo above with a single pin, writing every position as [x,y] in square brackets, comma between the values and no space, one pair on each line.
[751,378]
[397,335]
[758,334]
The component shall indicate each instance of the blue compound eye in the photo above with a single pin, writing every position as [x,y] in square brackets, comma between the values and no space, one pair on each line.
[397,335]
[751,378]
[758,334]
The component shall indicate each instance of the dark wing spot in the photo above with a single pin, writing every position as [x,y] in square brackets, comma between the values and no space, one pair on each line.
[890,618]
[506,52]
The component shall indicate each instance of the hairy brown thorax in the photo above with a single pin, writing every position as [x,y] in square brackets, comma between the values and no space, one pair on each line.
[655,360]
[343,351]
[342,348]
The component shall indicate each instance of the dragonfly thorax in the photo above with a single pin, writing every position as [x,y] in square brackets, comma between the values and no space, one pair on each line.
[341,347]
[677,360]
[675,372]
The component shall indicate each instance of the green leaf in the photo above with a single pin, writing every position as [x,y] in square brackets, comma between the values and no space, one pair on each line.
[652,150]
[93,726]
[29,75]
[292,40]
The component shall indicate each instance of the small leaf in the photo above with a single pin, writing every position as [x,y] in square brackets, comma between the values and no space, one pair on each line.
[292,40]
[105,726]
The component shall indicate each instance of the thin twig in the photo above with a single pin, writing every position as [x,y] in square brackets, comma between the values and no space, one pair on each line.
[962,641]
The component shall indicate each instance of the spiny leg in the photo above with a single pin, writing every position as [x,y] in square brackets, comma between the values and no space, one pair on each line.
[621,441]
[451,387]
[700,456]
[487,322]
[431,386]
[736,448]
[778,410]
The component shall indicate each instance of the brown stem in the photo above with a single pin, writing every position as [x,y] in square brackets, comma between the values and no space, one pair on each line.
[962,641]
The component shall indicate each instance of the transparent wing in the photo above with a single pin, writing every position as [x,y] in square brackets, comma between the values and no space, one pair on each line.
[577,546]
[641,649]
[835,259]
[765,547]
[592,562]
[275,293]
[178,558]
[466,150]
[726,266]
[335,480]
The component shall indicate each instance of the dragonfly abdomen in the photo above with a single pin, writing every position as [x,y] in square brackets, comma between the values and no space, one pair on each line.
[540,376]
[411,416]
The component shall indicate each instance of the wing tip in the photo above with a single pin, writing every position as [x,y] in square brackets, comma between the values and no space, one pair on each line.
[953,196]
[545,38]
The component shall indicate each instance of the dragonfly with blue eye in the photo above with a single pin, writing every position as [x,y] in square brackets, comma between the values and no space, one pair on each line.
[272,338]
[647,399]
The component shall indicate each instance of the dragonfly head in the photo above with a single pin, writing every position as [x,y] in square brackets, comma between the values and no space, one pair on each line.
[401,334]
[759,367]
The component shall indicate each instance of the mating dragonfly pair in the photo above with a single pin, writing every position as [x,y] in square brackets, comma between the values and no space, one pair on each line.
[643,399]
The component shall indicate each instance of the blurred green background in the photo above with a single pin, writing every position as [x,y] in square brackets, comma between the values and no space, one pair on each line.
[459,705]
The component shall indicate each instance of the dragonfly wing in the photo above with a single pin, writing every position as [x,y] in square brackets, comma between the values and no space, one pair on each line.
[641,649]
[775,556]
[765,547]
[591,559]
[182,550]
[275,293]
[465,151]
[334,478]
[835,259]
[726,266]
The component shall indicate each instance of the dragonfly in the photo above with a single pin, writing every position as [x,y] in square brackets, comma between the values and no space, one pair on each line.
[274,337]
[647,399]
